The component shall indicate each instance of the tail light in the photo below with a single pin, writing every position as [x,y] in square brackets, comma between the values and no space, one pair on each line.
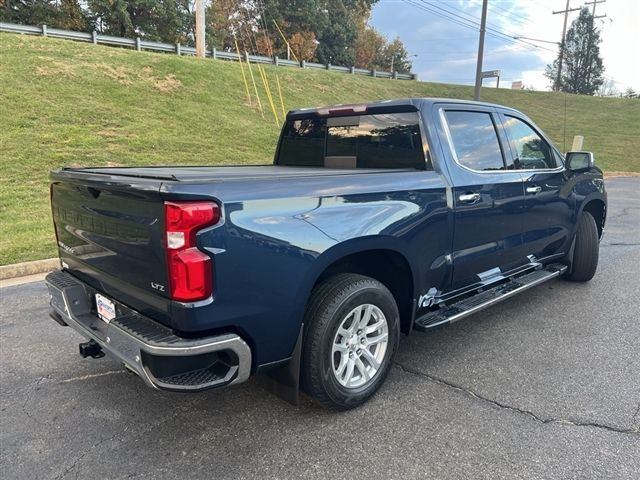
[190,270]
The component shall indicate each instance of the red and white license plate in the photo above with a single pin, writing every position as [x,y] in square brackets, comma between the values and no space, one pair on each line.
[105,307]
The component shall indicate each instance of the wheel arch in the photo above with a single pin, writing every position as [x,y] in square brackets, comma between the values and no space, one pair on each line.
[597,207]
[384,259]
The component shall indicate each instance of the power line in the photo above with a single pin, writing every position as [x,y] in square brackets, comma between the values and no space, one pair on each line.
[472,25]
[474,21]
[509,14]
[473,18]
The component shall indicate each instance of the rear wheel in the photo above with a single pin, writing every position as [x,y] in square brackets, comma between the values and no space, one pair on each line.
[585,250]
[351,335]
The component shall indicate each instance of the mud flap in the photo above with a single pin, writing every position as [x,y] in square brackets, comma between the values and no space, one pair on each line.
[284,382]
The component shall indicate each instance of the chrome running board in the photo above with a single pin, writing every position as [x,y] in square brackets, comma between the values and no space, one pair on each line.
[485,298]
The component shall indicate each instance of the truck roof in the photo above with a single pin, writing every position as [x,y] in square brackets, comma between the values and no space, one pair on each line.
[407,104]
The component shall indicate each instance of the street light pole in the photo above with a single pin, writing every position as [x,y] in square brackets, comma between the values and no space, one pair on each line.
[483,23]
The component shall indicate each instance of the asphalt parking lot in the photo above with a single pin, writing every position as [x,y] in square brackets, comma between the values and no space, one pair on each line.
[545,385]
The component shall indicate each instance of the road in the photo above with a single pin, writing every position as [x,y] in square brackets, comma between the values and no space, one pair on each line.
[545,385]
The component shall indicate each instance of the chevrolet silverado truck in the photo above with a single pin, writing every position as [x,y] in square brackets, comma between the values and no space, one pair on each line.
[373,220]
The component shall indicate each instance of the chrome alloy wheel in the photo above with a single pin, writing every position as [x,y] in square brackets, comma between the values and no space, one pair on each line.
[359,346]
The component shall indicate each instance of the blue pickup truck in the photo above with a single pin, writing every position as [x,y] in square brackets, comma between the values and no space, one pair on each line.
[373,220]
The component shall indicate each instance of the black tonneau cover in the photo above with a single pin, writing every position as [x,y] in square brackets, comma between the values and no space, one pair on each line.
[221,174]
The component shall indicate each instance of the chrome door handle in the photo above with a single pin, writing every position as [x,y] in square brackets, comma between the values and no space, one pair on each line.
[534,189]
[469,197]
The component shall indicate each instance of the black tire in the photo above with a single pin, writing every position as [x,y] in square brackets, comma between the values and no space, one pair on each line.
[585,251]
[329,305]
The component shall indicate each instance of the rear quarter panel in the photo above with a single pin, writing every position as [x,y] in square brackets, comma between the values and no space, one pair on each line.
[277,237]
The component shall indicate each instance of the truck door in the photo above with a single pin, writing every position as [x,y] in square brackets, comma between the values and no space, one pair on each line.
[488,195]
[549,204]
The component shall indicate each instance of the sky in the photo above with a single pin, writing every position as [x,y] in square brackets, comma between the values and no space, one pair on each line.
[446,51]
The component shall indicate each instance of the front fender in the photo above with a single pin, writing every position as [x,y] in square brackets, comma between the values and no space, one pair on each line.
[587,188]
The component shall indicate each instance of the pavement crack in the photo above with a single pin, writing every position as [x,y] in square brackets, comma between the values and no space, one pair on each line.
[521,411]
[92,375]
[635,420]
[623,212]
[28,397]
[84,454]
[120,437]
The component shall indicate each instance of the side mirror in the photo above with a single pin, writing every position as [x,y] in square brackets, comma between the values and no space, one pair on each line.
[577,161]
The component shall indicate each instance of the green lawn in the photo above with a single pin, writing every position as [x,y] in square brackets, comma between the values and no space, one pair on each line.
[65,103]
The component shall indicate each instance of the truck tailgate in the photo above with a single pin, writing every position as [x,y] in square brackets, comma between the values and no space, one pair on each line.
[110,231]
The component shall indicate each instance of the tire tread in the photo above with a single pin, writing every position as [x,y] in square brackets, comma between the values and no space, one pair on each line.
[586,250]
[326,297]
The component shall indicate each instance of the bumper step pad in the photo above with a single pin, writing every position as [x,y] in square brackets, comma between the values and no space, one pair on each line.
[202,376]
[161,358]
[463,308]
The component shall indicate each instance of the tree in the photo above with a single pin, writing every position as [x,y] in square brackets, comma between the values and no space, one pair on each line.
[231,21]
[304,45]
[370,47]
[336,35]
[334,24]
[326,31]
[65,14]
[373,51]
[583,69]
[161,20]
[396,57]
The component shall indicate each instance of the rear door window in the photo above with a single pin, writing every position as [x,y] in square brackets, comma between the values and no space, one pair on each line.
[475,140]
[385,140]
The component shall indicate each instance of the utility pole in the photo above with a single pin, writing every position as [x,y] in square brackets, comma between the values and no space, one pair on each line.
[564,32]
[200,48]
[593,14]
[593,9]
[483,23]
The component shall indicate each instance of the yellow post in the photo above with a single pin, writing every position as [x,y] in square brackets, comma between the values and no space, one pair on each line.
[268,90]
[285,41]
[281,99]
[255,87]
[244,78]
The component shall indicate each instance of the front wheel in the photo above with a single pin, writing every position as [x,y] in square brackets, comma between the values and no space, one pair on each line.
[351,336]
[585,250]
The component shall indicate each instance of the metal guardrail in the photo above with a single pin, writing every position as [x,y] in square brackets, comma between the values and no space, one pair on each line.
[139,44]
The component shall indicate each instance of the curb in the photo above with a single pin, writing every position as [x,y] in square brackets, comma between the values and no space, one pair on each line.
[28,268]
[614,174]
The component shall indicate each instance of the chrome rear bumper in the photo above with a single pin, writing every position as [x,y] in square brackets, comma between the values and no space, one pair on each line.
[161,358]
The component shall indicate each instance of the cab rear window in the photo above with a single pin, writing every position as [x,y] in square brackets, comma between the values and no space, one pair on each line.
[385,140]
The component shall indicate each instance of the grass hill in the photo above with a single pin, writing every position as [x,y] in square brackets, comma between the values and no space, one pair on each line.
[64,103]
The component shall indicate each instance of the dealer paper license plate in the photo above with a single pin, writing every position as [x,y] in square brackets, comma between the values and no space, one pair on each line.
[105,307]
